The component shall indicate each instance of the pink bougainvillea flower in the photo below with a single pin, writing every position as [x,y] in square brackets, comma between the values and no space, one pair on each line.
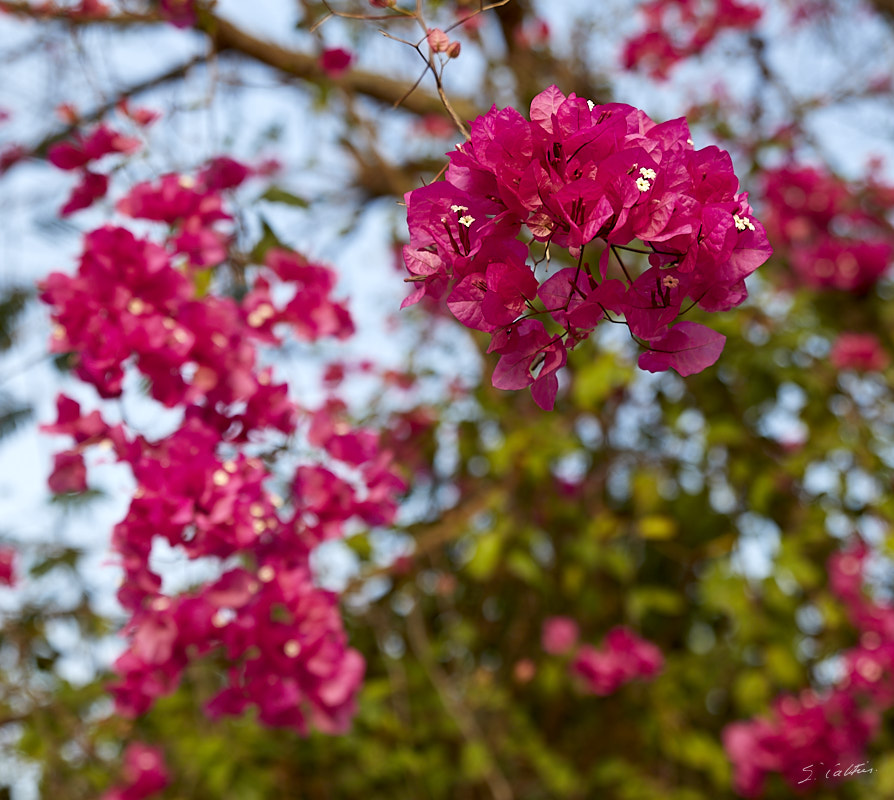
[437,40]
[144,773]
[335,61]
[599,181]
[830,230]
[678,29]
[180,13]
[624,657]
[559,635]
[69,473]
[143,117]
[82,150]
[687,347]
[202,488]
[92,187]
[832,727]
[860,351]
[7,566]
[90,9]
[222,173]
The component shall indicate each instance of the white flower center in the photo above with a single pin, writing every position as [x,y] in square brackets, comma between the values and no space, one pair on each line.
[743,222]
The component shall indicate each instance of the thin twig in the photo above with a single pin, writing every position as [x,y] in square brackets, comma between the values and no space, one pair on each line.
[465,720]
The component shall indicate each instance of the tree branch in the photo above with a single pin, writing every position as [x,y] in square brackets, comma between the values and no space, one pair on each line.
[29,11]
[42,147]
[228,37]
[451,699]
[430,536]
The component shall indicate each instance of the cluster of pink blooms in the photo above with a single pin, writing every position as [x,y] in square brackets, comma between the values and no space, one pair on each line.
[835,234]
[677,29]
[623,657]
[78,155]
[143,773]
[135,305]
[576,173]
[817,731]
[180,13]
[859,351]
[7,566]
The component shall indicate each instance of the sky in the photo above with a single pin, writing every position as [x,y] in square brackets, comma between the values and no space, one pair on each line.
[211,116]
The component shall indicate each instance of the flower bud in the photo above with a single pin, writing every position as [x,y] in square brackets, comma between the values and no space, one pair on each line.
[438,41]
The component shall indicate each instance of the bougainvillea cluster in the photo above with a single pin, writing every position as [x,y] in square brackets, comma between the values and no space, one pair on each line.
[623,657]
[834,233]
[7,566]
[143,774]
[79,156]
[675,30]
[208,489]
[591,179]
[858,351]
[810,736]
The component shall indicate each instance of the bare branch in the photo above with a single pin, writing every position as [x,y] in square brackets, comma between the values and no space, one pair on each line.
[452,700]
[67,15]
[229,37]
[41,149]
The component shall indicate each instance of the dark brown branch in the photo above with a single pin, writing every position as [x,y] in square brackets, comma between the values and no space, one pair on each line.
[228,37]
[41,149]
[55,13]
[884,7]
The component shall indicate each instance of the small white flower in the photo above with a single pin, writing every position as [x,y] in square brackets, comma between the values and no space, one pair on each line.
[466,220]
[457,209]
[743,222]
[643,185]
[648,174]
[591,104]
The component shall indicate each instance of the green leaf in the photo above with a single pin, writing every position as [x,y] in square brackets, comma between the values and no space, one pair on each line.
[76,500]
[12,304]
[67,558]
[658,599]
[276,194]
[487,553]
[657,527]
[524,567]
[12,417]
[268,240]
[474,760]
